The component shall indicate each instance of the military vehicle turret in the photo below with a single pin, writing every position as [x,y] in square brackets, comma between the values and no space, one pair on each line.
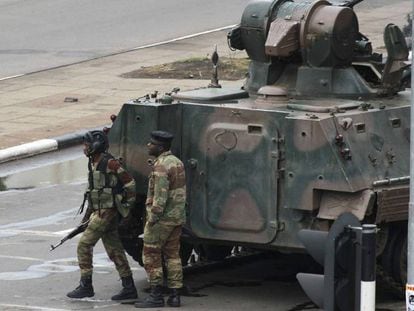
[320,127]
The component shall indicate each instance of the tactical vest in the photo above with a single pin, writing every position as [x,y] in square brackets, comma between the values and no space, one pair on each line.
[105,188]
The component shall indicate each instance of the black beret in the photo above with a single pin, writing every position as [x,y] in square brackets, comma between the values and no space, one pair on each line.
[161,137]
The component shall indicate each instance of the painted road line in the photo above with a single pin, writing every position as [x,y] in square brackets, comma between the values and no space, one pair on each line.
[126,51]
[27,307]
[8,232]
[11,77]
[183,37]
[22,258]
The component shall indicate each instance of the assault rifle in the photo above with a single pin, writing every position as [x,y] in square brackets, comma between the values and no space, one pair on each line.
[83,224]
[73,233]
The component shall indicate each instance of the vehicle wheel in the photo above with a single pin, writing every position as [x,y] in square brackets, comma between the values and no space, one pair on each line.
[393,262]
[387,257]
[400,259]
[215,252]
[382,239]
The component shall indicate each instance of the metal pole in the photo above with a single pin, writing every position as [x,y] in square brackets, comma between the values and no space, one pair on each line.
[410,239]
[368,258]
[358,266]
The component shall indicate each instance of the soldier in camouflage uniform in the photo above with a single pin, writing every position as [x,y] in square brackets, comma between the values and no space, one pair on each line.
[111,191]
[165,207]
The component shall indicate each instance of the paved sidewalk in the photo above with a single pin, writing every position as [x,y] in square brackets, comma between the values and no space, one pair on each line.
[33,107]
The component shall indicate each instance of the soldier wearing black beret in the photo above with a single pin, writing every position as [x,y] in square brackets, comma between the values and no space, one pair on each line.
[161,138]
[165,206]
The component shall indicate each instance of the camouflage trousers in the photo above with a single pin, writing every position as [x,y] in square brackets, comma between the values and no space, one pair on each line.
[102,225]
[163,242]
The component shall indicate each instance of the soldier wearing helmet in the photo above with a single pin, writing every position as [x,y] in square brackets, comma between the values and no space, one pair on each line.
[111,191]
[165,206]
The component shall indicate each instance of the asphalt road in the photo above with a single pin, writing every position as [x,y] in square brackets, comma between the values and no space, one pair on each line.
[36,35]
[35,213]
[39,208]
[41,34]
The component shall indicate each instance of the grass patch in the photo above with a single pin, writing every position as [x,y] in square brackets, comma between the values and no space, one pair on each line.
[193,68]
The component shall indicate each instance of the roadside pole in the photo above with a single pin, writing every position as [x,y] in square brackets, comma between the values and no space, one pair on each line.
[368,259]
[409,291]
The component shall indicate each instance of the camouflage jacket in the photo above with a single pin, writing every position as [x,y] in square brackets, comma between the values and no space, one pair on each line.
[110,186]
[166,191]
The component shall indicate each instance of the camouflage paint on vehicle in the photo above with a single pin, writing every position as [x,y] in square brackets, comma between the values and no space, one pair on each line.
[320,127]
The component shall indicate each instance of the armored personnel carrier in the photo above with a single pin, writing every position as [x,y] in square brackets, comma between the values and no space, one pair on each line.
[320,127]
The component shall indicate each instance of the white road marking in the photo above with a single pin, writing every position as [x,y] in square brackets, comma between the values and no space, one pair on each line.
[26,307]
[29,232]
[183,37]
[21,257]
[11,77]
[129,50]
[42,221]
[101,263]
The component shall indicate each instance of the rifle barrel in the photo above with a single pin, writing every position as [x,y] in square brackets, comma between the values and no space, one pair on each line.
[52,247]
[70,235]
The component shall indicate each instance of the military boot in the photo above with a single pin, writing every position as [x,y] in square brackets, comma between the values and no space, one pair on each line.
[154,300]
[174,298]
[85,289]
[128,290]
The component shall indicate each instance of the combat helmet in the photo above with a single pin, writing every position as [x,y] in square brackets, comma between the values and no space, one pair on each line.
[97,142]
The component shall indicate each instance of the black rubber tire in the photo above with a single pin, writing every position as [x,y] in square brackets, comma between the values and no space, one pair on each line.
[399,268]
[389,273]
[387,257]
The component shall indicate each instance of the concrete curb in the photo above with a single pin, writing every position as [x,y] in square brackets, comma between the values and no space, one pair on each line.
[43,145]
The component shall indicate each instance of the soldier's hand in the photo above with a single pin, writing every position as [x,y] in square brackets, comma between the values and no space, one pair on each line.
[151,223]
